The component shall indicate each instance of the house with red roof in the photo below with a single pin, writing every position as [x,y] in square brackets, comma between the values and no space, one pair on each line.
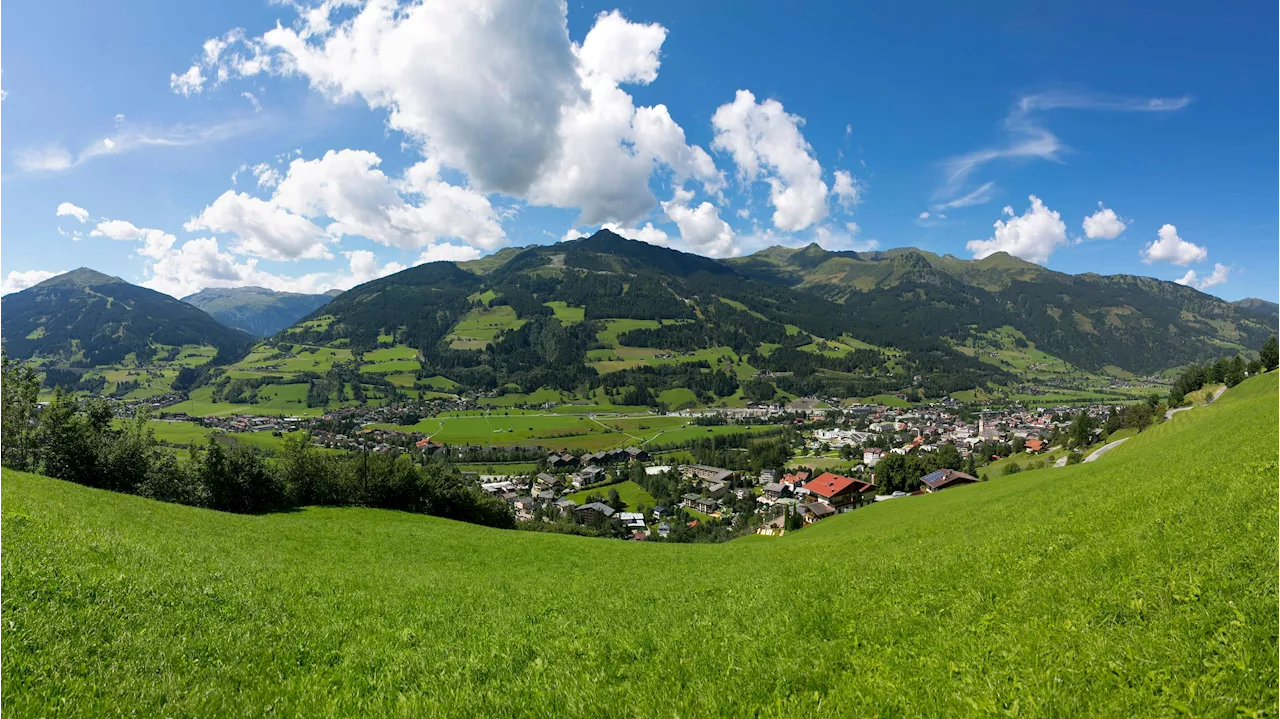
[839,491]
[795,480]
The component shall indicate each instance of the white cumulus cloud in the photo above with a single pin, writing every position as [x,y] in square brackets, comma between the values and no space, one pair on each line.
[17,281]
[1172,248]
[1033,236]
[701,229]
[648,233]
[188,83]
[1217,277]
[766,143]
[1104,224]
[155,243]
[200,263]
[316,202]
[66,209]
[544,120]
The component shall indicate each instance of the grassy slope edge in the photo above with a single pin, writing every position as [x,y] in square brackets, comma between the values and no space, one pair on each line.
[1142,584]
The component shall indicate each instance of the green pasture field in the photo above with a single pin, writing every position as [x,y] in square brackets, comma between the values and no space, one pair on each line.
[565,313]
[1144,584]
[632,494]
[481,326]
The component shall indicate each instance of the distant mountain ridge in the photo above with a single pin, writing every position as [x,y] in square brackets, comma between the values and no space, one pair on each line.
[1139,323]
[257,310]
[88,318]
[902,298]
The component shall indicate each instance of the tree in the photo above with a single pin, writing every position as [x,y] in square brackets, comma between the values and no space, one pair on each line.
[1270,354]
[1019,444]
[19,392]
[1113,422]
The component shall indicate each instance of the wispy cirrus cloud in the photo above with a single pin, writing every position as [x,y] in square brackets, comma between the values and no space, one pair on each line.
[57,158]
[1027,138]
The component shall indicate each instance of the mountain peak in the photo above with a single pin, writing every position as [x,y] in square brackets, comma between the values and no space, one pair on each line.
[80,277]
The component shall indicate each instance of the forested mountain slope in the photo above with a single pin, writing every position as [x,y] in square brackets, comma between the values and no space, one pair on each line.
[1138,323]
[565,312]
[256,310]
[87,319]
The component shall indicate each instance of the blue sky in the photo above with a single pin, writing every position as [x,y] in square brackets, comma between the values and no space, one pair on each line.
[365,139]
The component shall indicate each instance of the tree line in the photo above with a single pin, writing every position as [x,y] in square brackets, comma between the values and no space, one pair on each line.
[78,442]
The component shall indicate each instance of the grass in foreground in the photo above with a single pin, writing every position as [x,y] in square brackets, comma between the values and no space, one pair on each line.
[1142,584]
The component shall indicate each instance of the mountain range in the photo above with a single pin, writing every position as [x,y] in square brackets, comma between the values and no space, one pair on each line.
[607,312]
[904,298]
[85,318]
[257,310]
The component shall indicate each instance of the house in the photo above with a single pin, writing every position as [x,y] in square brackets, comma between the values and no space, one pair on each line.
[592,511]
[528,503]
[687,500]
[815,511]
[547,481]
[795,480]
[636,454]
[872,455]
[838,491]
[767,476]
[586,477]
[706,505]
[705,473]
[565,505]
[715,487]
[664,530]
[559,461]
[632,520]
[774,490]
[944,478]
[1034,445]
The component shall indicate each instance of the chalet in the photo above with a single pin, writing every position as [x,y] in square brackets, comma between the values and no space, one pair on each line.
[591,511]
[687,500]
[944,478]
[559,461]
[838,491]
[547,480]
[1034,445]
[565,505]
[795,480]
[636,454]
[664,530]
[774,491]
[545,496]
[815,511]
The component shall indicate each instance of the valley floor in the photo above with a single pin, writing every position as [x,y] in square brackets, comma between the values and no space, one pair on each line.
[1143,584]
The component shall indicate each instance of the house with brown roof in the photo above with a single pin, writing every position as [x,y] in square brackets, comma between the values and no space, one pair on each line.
[943,479]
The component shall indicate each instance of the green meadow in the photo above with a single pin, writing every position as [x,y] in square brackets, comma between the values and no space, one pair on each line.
[629,492]
[1144,584]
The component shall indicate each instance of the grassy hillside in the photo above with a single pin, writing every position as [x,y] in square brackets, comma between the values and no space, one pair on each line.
[1142,584]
